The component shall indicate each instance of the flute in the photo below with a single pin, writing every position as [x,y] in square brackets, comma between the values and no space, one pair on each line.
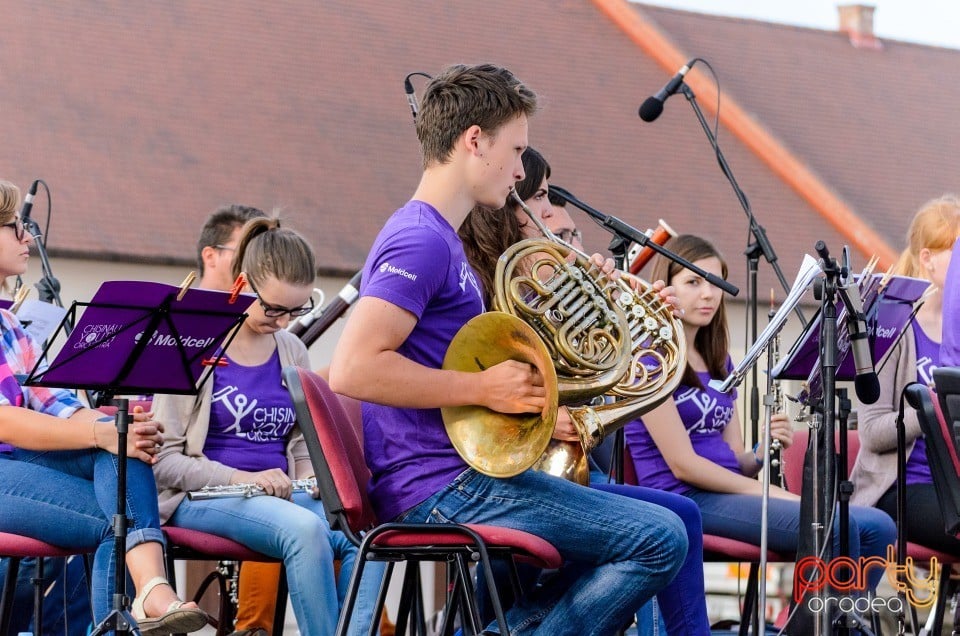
[245,490]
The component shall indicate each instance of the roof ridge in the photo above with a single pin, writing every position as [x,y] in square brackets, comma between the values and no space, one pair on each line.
[657,44]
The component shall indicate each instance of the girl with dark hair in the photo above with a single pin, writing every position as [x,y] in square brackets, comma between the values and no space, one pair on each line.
[693,444]
[242,429]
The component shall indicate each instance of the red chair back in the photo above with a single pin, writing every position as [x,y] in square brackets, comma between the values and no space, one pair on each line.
[333,435]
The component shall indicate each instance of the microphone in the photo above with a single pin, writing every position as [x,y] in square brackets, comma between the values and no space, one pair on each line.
[28,202]
[866,383]
[411,96]
[653,106]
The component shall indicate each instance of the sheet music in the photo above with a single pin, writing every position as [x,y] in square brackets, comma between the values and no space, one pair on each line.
[40,319]
[809,270]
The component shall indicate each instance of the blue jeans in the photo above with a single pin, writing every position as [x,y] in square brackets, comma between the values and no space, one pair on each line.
[618,552]
[738,517]
[683,602]
[298,533]
[68,498]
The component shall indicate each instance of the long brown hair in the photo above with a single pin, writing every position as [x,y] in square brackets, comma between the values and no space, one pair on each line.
[713,340]
[486,233]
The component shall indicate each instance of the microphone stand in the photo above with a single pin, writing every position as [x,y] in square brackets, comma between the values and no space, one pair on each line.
[48,288]
[618,249]
[833,287]
[630,234]
[761,245]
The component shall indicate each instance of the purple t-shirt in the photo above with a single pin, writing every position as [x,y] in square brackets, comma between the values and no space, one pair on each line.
[705,414]
[928,359]
[417,263]
[251,414]
[950,346]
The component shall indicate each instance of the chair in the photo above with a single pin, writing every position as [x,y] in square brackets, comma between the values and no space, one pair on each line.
[942,456]
[333,434]
[184,544]
[187,544]
[17,547]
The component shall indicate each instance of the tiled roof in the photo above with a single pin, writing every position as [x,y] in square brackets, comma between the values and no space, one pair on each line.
[144,116]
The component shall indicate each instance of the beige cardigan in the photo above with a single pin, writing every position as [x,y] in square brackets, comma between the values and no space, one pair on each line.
[876,467]
[181,466]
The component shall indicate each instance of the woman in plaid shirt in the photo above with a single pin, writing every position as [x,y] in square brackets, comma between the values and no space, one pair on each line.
[58,466]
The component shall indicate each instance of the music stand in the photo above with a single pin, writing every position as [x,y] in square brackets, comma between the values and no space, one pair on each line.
[132,338]
[889,304]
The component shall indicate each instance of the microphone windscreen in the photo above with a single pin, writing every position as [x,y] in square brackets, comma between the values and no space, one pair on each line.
[868,387]
[650,109]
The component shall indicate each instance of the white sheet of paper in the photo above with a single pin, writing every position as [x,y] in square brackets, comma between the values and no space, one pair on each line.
[40,319]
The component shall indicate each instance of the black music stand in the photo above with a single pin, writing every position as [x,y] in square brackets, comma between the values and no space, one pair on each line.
[820,357]
[139,337]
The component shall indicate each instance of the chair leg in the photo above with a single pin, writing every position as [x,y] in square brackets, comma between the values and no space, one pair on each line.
[935,620]
[408,594]
[280,615]
[381,599]
[6,599]
[470,613]
[37,582]
[750,599]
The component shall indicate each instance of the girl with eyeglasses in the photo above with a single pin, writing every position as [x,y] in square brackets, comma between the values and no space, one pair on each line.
[58,467]
[242,429]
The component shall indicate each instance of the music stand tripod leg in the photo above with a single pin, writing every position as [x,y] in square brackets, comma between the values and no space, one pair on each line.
[120,620]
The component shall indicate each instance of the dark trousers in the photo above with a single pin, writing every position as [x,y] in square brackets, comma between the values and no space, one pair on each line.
[66,604]
[924,523]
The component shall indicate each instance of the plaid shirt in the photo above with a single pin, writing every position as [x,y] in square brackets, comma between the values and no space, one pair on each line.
[18,356]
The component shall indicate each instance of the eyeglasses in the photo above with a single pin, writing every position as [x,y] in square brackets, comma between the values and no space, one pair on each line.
[225,247]
[568,235]
[275,311]
[18,229]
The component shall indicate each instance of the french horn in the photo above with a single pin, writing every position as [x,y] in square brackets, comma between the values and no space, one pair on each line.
[601,337]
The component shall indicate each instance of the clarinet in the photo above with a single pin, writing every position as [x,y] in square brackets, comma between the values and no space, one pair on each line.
[245,490]
[311,326]
[776,448]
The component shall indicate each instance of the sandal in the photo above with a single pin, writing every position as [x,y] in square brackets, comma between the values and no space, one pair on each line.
[176,620]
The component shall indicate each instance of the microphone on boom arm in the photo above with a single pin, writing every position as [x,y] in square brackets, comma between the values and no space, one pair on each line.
[653,105]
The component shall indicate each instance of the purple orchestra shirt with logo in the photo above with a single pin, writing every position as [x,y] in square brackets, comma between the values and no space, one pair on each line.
[705,414]
[251,415]
[416,263]
[928,359]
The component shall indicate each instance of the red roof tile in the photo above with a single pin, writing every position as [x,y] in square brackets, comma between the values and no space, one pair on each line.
[144,116]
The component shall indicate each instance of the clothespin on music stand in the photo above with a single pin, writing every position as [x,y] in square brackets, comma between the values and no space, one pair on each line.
[185,285]
[238,286]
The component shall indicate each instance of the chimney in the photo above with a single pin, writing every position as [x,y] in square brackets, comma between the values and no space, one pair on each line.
[856,20]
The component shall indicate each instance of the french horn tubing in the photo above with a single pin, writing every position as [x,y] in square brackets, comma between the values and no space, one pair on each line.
[602,337]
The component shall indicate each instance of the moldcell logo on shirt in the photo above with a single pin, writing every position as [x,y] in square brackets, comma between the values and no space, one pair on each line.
[399,271]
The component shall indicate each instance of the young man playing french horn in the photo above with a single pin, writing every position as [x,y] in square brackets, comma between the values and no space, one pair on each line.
[417,291]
